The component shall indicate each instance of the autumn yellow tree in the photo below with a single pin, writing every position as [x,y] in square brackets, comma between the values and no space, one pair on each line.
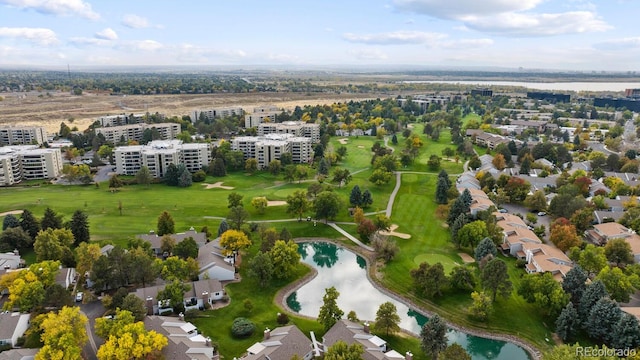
[499,162]
[27,287]
[128,339]
[233,240]
[86,255]
[63,334]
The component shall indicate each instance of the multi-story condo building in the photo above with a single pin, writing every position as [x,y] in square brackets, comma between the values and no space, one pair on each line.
[295,128]
[210,114]
[116,134]
[270,147]
[265,113]
[28,162]
[22,135]
[121,119]
[158,155]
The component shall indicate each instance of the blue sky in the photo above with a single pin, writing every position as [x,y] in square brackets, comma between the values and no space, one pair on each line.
[533,34]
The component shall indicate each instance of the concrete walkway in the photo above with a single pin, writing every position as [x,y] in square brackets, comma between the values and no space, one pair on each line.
[392,197]
[350,237]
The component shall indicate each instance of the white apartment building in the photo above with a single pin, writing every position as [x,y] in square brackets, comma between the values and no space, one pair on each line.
[211,114]
[121,119]
[134,132]
[22,135]
[158,155]
[28,162]
[255,119]
[271,147]
[295,128]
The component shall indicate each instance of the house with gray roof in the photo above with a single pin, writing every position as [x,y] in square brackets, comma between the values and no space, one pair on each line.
[214,264]
[351,332]
[200,292]
[12,326]
[19,354]
[156,241]
[184,341]
[281,343]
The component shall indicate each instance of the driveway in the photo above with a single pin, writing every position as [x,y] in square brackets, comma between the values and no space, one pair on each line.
[92,310]
[104,173]
[520,209]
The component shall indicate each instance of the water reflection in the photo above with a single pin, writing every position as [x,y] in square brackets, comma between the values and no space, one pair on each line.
[344,270]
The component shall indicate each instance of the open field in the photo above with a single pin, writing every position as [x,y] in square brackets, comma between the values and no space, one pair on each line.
[50,111]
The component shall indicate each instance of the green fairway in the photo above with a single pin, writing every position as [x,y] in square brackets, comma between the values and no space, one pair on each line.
[446,260]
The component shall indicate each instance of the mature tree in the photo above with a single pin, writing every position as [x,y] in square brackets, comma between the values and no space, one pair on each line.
[495,278]
[618,284]
[618,251]
[323,167]
[63,334]
[260,203]
[106,326]
[144,270]
[261,267]
[80,227]
[544,291]
[536,201]
[251,165]
[340,350]
[433,336]
[461,278]
[355,198]
[14,238]
[115,182]
[499,162]
[217,167]
[455,352]
[224,226]
[29,223]
[143,176]
[172,175]
[86,255]
[564,235]
[485,248]
[186,248]
[327,205]
[626,333]
[234,199]
[460,206]
[472,233]
[382,222]
[517,189]
[289,172]
[166,225]
[173,294]
[429,280]
[51,220]
[297,203]
[458,223]
[482,306]
[11,221]
[365,229]
[367,199]
[341,176]
[274,167]
[475,162]
[233,241]
[602,320]
[314,189]
[594,292]
[330,313]
[592,258]
[387,318]
[301,173]
[442,191]
[132,341]
[575,283]
[568,323]
[582,219]
[175,268]
[285,257]
[386,249]
[237,216]
[185,179]
[54,244]
[56,296]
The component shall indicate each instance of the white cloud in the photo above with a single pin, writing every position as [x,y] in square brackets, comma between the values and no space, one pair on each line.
[135,21]
[107,34]
[40,36]
[466,43]
[79,41]
[56,7]
[147,45]
[454,9]
[368,54]
[619,44]
[514,24]
[395,38]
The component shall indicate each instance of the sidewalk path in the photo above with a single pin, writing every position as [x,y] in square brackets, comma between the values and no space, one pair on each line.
[349,236]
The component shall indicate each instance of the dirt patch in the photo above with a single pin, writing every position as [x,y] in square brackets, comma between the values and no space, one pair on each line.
[343,141]
[466,258]
[217,185]
[276,203]
[360,146]
[392,232]
[12,212]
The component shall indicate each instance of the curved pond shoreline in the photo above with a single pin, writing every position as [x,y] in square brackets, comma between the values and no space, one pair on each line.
[283,294]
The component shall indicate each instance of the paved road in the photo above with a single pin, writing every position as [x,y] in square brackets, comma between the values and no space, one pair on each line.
[104,173]
[92,310]
[598,146]
[519,209]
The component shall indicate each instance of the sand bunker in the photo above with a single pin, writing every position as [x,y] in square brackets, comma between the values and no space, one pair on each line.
[343,141]
[392,232]
[217,185]
[466,258]
[276,203]
[360,146]
[12,212]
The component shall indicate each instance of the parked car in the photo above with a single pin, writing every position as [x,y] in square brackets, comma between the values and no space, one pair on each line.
[503,211]
[79,296]
[542,213]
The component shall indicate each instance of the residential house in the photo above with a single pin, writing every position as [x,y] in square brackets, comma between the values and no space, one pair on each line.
[66,277]
[11,260]
[12,326]
[601,216]
[480,203]
[19,354]
[154,306]
[351,332]
[602,233]
[203,292]
[467,181]
[214,264]
[515,234]
[184,341]
[545,258]
[631,310]
[281,343]
[156,241]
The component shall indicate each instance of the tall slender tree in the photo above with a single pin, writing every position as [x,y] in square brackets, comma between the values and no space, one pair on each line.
[433,336]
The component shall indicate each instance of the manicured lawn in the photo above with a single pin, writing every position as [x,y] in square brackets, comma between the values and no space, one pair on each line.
[471,116]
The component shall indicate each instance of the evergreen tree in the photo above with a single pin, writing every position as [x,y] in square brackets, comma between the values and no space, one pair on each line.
[143,176]
[224,226]
[442,191]
[29,223]
[356,196]
[593,292]
[323,167]
[330,313]
[184,178]
[525,167]
[10,221]
[495,278]
[394,139]
[460,221]
[444,175]
[460,206]
[367,199]
[626,333]
[567,324]
[80,227]
[603,318]
[433,336]
[485,247]
[285,234]
[387,318]
[217,168]
[172,175]
[575,283]
[51,220]
[166,224]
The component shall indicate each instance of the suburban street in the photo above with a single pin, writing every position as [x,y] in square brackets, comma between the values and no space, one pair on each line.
[92,310]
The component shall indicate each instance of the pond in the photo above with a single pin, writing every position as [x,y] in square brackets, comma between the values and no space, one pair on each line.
[346,271]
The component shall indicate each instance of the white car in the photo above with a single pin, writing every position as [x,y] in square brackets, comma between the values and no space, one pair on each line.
[542,213]
[79,296]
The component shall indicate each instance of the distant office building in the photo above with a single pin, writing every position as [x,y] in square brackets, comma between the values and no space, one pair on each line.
[270,147]
[549,96]
[135,132]
[632,93]
[424,101]
[121,119]
[22,135]
[295,128]
[482,92]
[158,155]
[28,162]
[632,104]
[210,114]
